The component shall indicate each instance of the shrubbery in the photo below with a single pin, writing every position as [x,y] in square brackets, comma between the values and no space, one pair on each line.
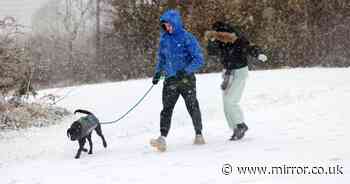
[16,74]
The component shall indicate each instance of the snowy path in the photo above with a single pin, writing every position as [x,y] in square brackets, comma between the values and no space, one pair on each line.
[296,117]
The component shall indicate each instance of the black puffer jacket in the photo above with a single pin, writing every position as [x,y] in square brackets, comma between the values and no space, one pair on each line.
[231,55]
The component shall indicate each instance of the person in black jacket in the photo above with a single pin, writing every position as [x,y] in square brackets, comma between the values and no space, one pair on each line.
[232,49]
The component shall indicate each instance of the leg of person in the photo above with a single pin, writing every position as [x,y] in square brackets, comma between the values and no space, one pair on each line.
[170,96]
[231,98]
[189,93]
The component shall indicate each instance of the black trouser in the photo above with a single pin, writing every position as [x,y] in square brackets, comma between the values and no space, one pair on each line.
[173,88]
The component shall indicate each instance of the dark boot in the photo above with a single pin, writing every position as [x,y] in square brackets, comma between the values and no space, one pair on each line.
[243,126]
[239,132]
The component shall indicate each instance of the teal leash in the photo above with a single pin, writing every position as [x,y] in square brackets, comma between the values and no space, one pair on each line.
[131,109]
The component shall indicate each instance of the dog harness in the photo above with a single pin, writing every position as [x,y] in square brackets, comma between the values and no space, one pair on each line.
[88,123]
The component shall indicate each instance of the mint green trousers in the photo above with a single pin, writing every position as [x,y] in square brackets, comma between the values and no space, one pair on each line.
[232,96]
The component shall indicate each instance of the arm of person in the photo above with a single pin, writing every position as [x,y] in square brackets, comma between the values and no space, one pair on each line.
[196,53]
[159,67]
[253,50]
[257,52]
[160,59]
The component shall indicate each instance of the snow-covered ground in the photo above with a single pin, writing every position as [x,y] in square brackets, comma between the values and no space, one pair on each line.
[297,117]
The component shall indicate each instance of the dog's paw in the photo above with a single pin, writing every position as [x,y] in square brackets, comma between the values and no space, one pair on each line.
[105,144]
[84,150]
[77,157]
[90,152]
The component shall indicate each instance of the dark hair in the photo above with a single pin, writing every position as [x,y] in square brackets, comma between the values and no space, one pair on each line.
[220,26]
[162,25]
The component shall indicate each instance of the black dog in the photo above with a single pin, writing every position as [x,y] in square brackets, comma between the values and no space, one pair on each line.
[81,130]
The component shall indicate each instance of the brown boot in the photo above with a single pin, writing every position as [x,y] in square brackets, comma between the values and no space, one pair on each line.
[159,143]
[199,140]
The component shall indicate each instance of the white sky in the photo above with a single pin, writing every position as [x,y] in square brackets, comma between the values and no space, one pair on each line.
[21,9]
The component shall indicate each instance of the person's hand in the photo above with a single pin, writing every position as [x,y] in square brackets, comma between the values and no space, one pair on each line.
[224,85]
[262,57]
[226,81]
[156,78]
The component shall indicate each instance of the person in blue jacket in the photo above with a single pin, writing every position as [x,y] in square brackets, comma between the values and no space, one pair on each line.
[179,57]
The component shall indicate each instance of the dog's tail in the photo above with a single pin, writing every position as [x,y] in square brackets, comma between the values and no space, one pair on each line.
[83,111]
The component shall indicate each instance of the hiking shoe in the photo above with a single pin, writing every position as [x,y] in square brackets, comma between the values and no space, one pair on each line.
[243,126]
[239,132]
[159,143]
[199,140]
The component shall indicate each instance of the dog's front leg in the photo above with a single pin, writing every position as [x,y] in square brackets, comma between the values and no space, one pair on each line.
[81,147]
[90,143]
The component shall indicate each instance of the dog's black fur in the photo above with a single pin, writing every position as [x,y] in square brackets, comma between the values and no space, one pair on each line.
[76,132]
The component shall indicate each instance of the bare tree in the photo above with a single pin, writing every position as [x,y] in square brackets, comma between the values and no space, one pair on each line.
[98,31]
[74,18]
[15,66]
[63,38]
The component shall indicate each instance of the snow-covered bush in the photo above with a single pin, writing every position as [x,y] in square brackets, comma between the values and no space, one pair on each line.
[29,115]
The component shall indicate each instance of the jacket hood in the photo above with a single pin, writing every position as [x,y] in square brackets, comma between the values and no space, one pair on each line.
[174,18]
[223,27]
[226,27]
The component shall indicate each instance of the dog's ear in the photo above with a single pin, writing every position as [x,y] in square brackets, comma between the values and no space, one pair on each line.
[68,132]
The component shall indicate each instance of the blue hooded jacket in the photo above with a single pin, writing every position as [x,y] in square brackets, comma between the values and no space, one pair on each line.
[179,50]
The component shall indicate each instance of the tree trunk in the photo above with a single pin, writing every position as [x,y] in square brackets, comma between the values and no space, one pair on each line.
[70,47]
[98,32]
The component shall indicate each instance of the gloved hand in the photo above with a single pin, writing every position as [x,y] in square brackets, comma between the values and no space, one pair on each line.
[225,82]
[224,85]
[156,78]
[262,57]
